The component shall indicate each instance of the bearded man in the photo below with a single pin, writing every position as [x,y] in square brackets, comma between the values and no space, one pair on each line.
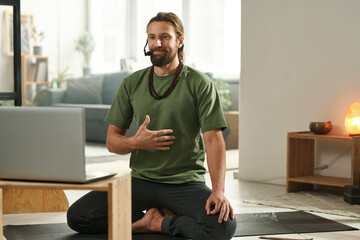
[169,194]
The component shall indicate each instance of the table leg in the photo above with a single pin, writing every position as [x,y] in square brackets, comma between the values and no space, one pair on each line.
[300,162]
[119,202]
[355,161]
[1,214]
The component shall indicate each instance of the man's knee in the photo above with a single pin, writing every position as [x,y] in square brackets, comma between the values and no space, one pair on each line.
[89,213]
[72,219]
[75,221]
[228,229]
[85,224]
[219,231]
[225,230]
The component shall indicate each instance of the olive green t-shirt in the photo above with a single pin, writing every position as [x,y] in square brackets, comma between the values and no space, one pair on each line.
[191,108]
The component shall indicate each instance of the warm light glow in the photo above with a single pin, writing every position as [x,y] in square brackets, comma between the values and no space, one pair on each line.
[352,119]
[356,121]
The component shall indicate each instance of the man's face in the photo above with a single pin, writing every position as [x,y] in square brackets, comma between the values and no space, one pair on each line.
[163,43]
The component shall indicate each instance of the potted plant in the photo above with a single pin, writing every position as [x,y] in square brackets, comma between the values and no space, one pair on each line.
[86,45]
[60,78]
[6,103]
[37,38]
[224,93]
[231,117]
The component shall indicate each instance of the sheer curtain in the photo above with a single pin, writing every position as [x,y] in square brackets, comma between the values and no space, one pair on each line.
[213,37]
[107,24]
[212,33]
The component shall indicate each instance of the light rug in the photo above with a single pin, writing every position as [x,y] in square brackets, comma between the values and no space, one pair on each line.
[311,201]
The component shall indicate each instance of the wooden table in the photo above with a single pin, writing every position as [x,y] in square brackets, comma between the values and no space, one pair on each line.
[300,161]
[119,200]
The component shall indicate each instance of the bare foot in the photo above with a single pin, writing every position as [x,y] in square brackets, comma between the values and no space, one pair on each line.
[150,222]
[167,212]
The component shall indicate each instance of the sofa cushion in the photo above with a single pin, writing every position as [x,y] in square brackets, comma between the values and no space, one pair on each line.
[111,84]
[86,90]
[92,111]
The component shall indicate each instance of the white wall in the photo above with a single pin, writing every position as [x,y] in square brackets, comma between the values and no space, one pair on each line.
[300,62]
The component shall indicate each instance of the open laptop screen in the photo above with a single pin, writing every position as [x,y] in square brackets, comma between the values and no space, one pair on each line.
[42,143]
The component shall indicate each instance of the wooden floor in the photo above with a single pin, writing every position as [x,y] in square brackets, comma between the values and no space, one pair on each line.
[235,191]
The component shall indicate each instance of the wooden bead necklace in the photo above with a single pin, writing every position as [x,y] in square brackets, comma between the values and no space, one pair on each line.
[153,93]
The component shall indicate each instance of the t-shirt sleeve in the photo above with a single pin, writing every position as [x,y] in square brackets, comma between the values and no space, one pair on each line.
[211,115]
[121,111]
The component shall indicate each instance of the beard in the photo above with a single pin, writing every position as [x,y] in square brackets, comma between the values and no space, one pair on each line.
[160,61]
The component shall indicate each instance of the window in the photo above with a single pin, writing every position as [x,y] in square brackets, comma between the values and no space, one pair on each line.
[214,37]
[107,21]
[212,33]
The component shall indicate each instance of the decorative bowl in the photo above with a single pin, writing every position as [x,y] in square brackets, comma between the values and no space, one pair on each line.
[320,127]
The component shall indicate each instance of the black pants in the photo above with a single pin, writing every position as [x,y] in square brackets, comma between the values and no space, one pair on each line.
[187,201]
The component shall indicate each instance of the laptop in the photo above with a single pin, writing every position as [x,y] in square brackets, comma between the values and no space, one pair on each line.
[44,144]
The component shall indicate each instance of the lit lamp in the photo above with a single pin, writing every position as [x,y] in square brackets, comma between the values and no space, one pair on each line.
[352,119]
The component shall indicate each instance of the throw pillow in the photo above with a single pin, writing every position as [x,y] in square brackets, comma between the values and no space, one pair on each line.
[86,90]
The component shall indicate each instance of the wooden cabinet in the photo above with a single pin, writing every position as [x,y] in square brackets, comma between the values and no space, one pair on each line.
[300,161]
[232,120]
[34,75]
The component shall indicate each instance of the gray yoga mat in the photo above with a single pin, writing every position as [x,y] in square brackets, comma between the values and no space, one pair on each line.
[249,224]
[256,224]
[61,231]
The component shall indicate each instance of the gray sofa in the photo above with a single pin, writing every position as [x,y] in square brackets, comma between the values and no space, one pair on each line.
[95,94]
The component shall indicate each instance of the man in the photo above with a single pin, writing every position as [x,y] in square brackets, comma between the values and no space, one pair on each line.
[174,103]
